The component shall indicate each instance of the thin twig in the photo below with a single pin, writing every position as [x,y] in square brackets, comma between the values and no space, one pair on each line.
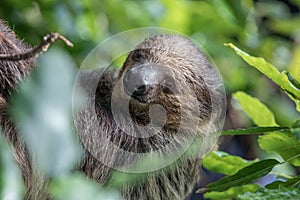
[42,47]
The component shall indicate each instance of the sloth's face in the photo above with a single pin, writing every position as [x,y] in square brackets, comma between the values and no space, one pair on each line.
[153,76]
[148,82]
[145,79]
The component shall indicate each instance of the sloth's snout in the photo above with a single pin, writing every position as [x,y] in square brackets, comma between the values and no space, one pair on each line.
[141,81]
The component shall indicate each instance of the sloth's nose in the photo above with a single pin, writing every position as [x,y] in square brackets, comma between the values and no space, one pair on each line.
[139,80]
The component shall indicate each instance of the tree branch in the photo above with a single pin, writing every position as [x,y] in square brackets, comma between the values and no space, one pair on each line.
[42,47]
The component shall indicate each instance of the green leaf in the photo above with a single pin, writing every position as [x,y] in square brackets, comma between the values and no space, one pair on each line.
[255,130]
[257,111]
[243,176]
[81,187]
[43,112]
[224,163]
[284,144]
[267,194]
[232,192]
[292,182]
[280,78]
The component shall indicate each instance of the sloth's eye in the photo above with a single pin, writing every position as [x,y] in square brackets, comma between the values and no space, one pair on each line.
[137,55]
[169,86]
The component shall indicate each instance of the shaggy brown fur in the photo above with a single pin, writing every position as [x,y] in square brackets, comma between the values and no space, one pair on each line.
[11,73]
[180,59]
[187,116]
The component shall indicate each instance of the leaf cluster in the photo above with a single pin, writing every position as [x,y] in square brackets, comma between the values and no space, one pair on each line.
[282,141]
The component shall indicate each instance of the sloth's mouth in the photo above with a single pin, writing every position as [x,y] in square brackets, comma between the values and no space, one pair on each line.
[145,99]
[140,100]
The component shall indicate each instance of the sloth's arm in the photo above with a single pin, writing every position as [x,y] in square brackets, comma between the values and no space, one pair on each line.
[11,72]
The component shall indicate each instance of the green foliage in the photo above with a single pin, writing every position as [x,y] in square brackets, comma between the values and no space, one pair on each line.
[257,111]
[282,79]
[292,182]
[283,141]
[243,176]
[266,194]
[255,130]
[224,163]
[232,192]
[285,144]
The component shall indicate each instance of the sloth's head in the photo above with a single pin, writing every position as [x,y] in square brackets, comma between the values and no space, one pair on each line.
[166,70]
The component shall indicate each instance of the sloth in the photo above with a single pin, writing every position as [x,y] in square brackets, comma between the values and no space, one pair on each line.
[164,97]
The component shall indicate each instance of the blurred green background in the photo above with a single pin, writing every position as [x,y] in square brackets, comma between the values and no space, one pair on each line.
[269,29]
